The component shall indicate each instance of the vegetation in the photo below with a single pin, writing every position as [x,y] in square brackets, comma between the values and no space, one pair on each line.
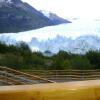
[20,56]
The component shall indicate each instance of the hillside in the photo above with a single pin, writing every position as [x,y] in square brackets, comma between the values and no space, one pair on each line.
[17,16]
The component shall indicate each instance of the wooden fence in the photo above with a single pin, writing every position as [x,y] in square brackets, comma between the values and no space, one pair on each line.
[66,75]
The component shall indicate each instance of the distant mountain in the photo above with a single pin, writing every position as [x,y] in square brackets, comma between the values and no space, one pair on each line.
[48,53]
[55,18]
[17,16]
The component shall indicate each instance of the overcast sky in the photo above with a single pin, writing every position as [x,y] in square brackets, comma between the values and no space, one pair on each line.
[69,8]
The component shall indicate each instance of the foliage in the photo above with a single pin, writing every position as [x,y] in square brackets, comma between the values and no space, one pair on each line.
[94,58]
[20,56]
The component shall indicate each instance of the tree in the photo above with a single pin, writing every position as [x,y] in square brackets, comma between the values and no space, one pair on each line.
[94,58]
[80,63]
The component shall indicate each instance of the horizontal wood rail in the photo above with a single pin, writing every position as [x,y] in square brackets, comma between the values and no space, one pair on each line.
[15,77]
[66,75]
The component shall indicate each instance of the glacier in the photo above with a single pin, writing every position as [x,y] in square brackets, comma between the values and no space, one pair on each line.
[79,36]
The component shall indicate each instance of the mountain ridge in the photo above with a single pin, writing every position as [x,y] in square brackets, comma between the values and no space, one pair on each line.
[54,17]
[17,16]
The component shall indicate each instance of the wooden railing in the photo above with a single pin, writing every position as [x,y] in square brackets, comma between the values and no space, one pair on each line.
[66,75]
[10,76]
[79,90]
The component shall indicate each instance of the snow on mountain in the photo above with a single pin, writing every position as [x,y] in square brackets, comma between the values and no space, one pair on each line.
[55,18]
[6,1]
[9,1]
[77,37]
[46,13]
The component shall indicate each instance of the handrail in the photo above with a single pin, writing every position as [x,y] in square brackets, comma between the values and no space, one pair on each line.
[31,76]
[20,78]
[12,81]
[79,90]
